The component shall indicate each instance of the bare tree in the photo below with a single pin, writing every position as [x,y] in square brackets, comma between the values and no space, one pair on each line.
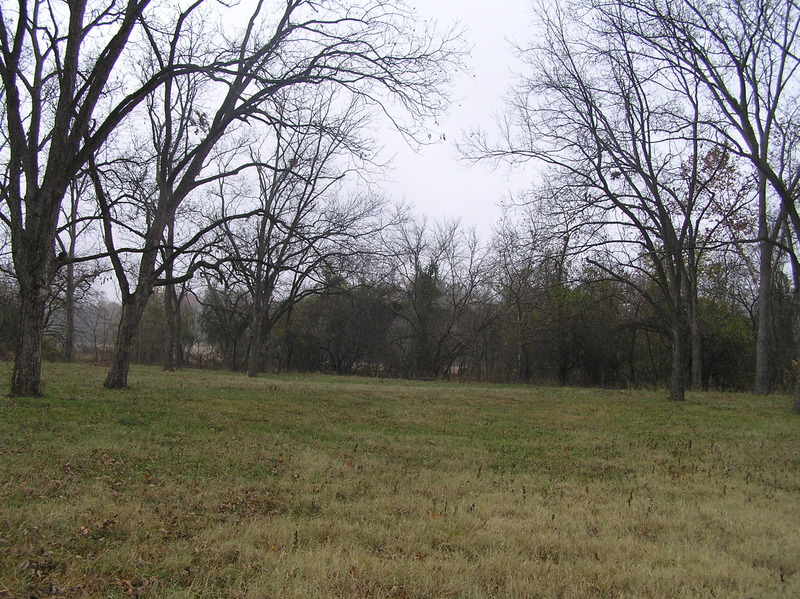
[57,62]
[744,56]
[173,295]
[531,258]
[440,276]
[305,220]
[625,152]
[367,51]
[75,238]
[224,320]
[515,262]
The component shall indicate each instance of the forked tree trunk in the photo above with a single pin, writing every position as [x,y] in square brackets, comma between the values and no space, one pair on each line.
[132,310]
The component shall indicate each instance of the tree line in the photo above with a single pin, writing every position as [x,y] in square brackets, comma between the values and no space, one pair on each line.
[518,309]
[433,301]
[233,172]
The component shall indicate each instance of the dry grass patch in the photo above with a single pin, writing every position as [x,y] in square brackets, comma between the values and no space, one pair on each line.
[199,484]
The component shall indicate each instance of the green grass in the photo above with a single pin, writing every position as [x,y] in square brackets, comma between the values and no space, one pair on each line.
[209,484]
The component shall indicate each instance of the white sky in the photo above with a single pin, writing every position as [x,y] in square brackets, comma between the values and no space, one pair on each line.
[434,181]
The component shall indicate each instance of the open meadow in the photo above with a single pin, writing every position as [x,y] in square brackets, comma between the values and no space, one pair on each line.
[210,484]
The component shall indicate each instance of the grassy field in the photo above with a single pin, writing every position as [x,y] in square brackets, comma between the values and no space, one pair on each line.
[208,484]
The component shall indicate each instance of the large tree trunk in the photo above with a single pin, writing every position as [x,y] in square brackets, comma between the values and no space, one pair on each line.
[34,267]
[677,382]
[766,249]
[255,359]
[26,380]
[132,309]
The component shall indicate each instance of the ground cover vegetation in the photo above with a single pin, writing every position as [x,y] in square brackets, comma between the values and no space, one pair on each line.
[211,484]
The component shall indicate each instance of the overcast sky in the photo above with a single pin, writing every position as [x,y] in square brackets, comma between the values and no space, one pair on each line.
[434,181]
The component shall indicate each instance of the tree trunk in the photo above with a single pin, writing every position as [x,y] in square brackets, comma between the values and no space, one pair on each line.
[172,309]
[132,310]
[677,382]
[26,380]
[254,358]
[69,314]
[762,384]
[33,265]
[172,314]
[69,300]
[766,235]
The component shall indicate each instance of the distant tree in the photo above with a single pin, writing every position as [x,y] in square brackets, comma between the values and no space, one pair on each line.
[347,326]
[440,276]
[304,220]
[148,346]
[77,238]
[97,320]
[224,321]
[520,249]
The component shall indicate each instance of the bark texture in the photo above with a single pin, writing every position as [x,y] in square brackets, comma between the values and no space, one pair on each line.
[677,383]
[132,310]
[26,380]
